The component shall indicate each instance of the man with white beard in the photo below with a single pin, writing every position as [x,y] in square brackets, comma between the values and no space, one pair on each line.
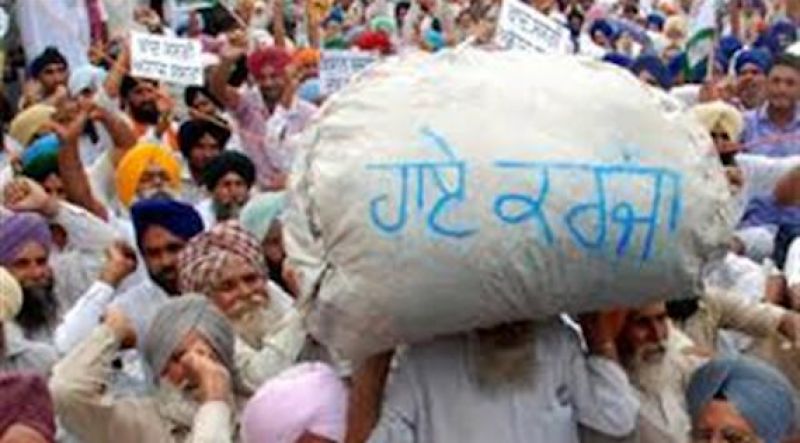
[226,264]
[189,348]
[519,382]
[659,362]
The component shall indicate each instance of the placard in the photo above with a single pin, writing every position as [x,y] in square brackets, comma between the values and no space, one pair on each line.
[338,67]
[523,27]
[169,59]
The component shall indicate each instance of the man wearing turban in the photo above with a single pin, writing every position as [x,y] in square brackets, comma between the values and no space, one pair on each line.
[228,179]
[307,402]
[261,217]
[189,347]
[30,124]
[53,271]
[201,140]
[724,124]
[147,170]
[162,228]
[267,116]
[226,265]
[740,399]
[651,70]
[751,67]
[49,72]
[26,410]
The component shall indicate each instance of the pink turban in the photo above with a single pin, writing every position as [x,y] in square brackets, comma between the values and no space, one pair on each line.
[309,397]
[24,400]
[274,57]
[16,230]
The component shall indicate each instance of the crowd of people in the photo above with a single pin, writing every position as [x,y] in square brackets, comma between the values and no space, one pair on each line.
[144,290]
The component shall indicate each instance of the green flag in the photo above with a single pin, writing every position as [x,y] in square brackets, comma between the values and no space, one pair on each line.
[702,25]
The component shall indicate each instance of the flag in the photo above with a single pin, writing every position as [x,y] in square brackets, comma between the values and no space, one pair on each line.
[702,25]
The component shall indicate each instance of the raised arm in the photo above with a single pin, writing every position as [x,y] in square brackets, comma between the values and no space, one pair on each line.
[232,51]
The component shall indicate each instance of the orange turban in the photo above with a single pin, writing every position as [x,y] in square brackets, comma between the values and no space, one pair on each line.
[135,161]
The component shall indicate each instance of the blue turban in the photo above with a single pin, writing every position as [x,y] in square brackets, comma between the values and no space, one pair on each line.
[434,39]
[758,57]
[336,15]
[17,230]
[677,65]
[180,219]
[603,27]
[310,90]
[728,46]
[40,160]
[760,394]
[655,67]
[618,59]
[50,56]
[656,20]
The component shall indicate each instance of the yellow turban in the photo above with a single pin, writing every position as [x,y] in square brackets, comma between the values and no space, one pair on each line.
[28,122]
[720,115]
[135,161]
[10,296]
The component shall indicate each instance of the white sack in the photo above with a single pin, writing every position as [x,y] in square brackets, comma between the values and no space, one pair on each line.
[632,199]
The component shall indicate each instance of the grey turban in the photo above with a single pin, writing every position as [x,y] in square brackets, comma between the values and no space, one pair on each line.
[175,319]
[760,393]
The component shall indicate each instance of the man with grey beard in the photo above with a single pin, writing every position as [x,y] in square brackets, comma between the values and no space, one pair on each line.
[514,383]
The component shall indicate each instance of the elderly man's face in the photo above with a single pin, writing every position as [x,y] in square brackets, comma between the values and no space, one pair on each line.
[160,250]
[783,88]
[719,421]
[153,181]
[645,333]
[239,288]
[30,266]
[177,372]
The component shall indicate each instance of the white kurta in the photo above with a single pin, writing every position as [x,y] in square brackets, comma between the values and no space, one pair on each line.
[432,396]
[60,23]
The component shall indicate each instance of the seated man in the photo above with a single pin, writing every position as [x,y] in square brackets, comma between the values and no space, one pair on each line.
[226,265]
[201,141]
[228,179]
[519,382]
[189,348]
[740,400]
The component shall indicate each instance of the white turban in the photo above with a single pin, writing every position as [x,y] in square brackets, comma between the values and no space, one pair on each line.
[10,296]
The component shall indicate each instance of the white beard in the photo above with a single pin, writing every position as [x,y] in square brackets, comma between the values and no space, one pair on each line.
[176,404]
[650,374]
[503,357]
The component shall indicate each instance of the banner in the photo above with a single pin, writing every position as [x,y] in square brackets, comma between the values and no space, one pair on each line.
[191,5]
[522,27]
[169,59]
[337,67]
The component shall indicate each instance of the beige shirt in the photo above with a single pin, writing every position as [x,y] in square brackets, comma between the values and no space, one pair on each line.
[720,310]
[87,409]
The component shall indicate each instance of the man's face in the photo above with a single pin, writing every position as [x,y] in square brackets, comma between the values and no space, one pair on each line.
[204,106]
[230,194]
[30,266]
[719,420]
[645,334]
[239,288]
[54,186]
[142,103]
[271,83]
[751,84]
[177,372]
[154,180]
[273,246]
[53,76]
[160,250]
[783,88]
[203,152]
